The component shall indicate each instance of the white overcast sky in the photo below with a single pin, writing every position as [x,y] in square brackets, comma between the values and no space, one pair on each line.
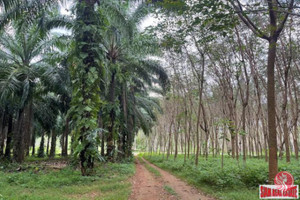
[148,21]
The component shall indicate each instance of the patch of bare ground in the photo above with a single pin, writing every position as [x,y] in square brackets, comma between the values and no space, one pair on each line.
[145,186]
[182,189]
[55,164]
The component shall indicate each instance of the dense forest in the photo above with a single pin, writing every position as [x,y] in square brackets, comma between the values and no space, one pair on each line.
[207,90]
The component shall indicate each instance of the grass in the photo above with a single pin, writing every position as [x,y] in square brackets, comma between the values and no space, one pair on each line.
[235,181]
[149,168]
[36,182]
[170,190]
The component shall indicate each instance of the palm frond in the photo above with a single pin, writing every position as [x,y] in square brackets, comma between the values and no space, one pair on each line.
[143,121]
[155,68]
[49,23]
[28,11]
[7,4]
[118,18]
[140,13]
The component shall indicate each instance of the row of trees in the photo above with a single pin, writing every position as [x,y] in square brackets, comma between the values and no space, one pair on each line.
[224,80]
[90,81]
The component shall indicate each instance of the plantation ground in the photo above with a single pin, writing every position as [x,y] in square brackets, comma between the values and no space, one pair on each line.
[234,182]
[54,179]
[36,180]
[151,183]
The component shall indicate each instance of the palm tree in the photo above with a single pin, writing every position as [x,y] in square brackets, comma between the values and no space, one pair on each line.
[87,67]
[93,47]
[46,111]
[120,42]
[24,67]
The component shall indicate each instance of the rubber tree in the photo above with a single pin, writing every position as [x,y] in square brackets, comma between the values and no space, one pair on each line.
[278,15]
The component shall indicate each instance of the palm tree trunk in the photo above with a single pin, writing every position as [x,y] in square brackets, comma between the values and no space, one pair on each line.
[7,153]
[110,136]
[33,144]
[48,144]
[41,153]
[102,135]
[102,144]
[53,144]
[86,80]
[18,151]
[130,135]
[28,126]
[2,133]
[65,139]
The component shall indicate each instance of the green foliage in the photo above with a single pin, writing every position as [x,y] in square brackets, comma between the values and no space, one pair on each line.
[27,11]
[170,190]
[86,72]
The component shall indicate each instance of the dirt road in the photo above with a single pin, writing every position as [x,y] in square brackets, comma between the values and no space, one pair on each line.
[148,187]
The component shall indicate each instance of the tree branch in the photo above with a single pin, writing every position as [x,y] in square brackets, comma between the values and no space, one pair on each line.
[280,27]
[243,16]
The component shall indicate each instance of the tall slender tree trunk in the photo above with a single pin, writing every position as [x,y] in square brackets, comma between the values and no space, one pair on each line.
[2,132]
[62,144]
[102,144]
[286,136]
[185,128]
[244,129]
[33,144]
[232,142]
[294,108]
[213,143]
[197,129]
[273,160]
[170,139]
[223,145]
[216,141]
[48,144]
[296,142]
[64,139]
[176,140]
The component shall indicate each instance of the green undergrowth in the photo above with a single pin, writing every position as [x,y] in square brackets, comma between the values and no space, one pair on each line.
[170,190]
[236,181]
[35,182]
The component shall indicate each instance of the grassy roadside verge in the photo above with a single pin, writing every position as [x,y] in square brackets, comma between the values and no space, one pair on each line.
[34,182]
